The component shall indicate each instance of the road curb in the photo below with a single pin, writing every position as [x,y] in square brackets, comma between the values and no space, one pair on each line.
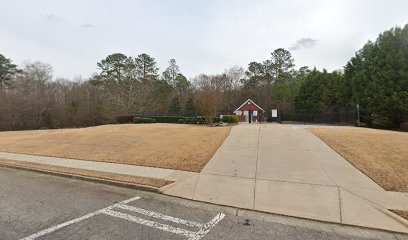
[89,179]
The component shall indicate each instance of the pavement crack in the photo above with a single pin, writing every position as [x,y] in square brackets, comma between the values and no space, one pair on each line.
[341,210]
[256,166]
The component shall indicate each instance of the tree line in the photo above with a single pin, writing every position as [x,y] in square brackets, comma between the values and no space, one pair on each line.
[376,78]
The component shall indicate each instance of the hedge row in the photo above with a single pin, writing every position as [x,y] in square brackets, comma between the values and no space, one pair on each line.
[132,118]
[192,120]
[170,119]
[128,118]
[167,119]
[137,120]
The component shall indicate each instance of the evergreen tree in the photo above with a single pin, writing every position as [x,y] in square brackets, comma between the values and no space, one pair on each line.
[281,66]
[7,71]
[319,92]
[119,79]
[377,77]
[171,72]
[190,107]
[146,67]
[175,106]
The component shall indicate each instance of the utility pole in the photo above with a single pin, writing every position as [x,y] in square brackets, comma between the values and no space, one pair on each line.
[358,114]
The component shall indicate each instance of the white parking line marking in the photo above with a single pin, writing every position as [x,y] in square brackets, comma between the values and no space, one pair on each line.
[56,227]
[204,228]
[207,227]
[161,216]
[149,223]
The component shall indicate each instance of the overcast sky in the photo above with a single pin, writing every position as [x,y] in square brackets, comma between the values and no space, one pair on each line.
[203,36]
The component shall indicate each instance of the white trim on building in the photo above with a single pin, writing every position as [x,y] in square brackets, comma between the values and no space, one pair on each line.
[246,102]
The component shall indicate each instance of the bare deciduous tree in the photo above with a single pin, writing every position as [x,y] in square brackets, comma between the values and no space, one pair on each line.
[209,96]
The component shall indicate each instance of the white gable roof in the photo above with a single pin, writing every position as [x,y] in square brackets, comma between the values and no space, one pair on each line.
[248,100]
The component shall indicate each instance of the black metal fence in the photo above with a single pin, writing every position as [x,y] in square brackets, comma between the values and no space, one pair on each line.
[303,116]
[159,114]
[346,117]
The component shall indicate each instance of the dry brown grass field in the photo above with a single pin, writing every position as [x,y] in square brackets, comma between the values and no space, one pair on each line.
[382,155]
[174,146]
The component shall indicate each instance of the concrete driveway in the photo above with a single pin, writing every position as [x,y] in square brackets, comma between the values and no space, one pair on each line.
[286,170]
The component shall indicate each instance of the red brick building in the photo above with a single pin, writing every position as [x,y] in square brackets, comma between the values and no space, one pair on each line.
[250,112]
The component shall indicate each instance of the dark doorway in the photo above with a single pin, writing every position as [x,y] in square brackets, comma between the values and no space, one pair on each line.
[250,113]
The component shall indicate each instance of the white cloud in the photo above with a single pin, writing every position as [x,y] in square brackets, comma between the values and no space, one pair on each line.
[303,43]
[86,25]
[53,18]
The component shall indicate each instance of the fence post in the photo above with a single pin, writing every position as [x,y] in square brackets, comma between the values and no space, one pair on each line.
[358,114]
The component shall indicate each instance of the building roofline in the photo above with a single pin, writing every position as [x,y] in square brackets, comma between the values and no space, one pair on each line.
[246,102]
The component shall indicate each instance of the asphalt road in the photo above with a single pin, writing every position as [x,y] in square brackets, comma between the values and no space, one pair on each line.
[41,206]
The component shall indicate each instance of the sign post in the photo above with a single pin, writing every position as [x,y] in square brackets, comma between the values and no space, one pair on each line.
[274,113]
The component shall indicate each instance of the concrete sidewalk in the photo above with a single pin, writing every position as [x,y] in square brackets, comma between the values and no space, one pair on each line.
[287,170]
[139,171]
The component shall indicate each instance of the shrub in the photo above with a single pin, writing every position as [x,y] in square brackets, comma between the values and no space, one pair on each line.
[150,120]
[382,122]
[124,118]
[188,120]
[199,120]
[192,120]
[230,118]
[404,126]
[167,119]
[180,119]
[216,120]
[137,120]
